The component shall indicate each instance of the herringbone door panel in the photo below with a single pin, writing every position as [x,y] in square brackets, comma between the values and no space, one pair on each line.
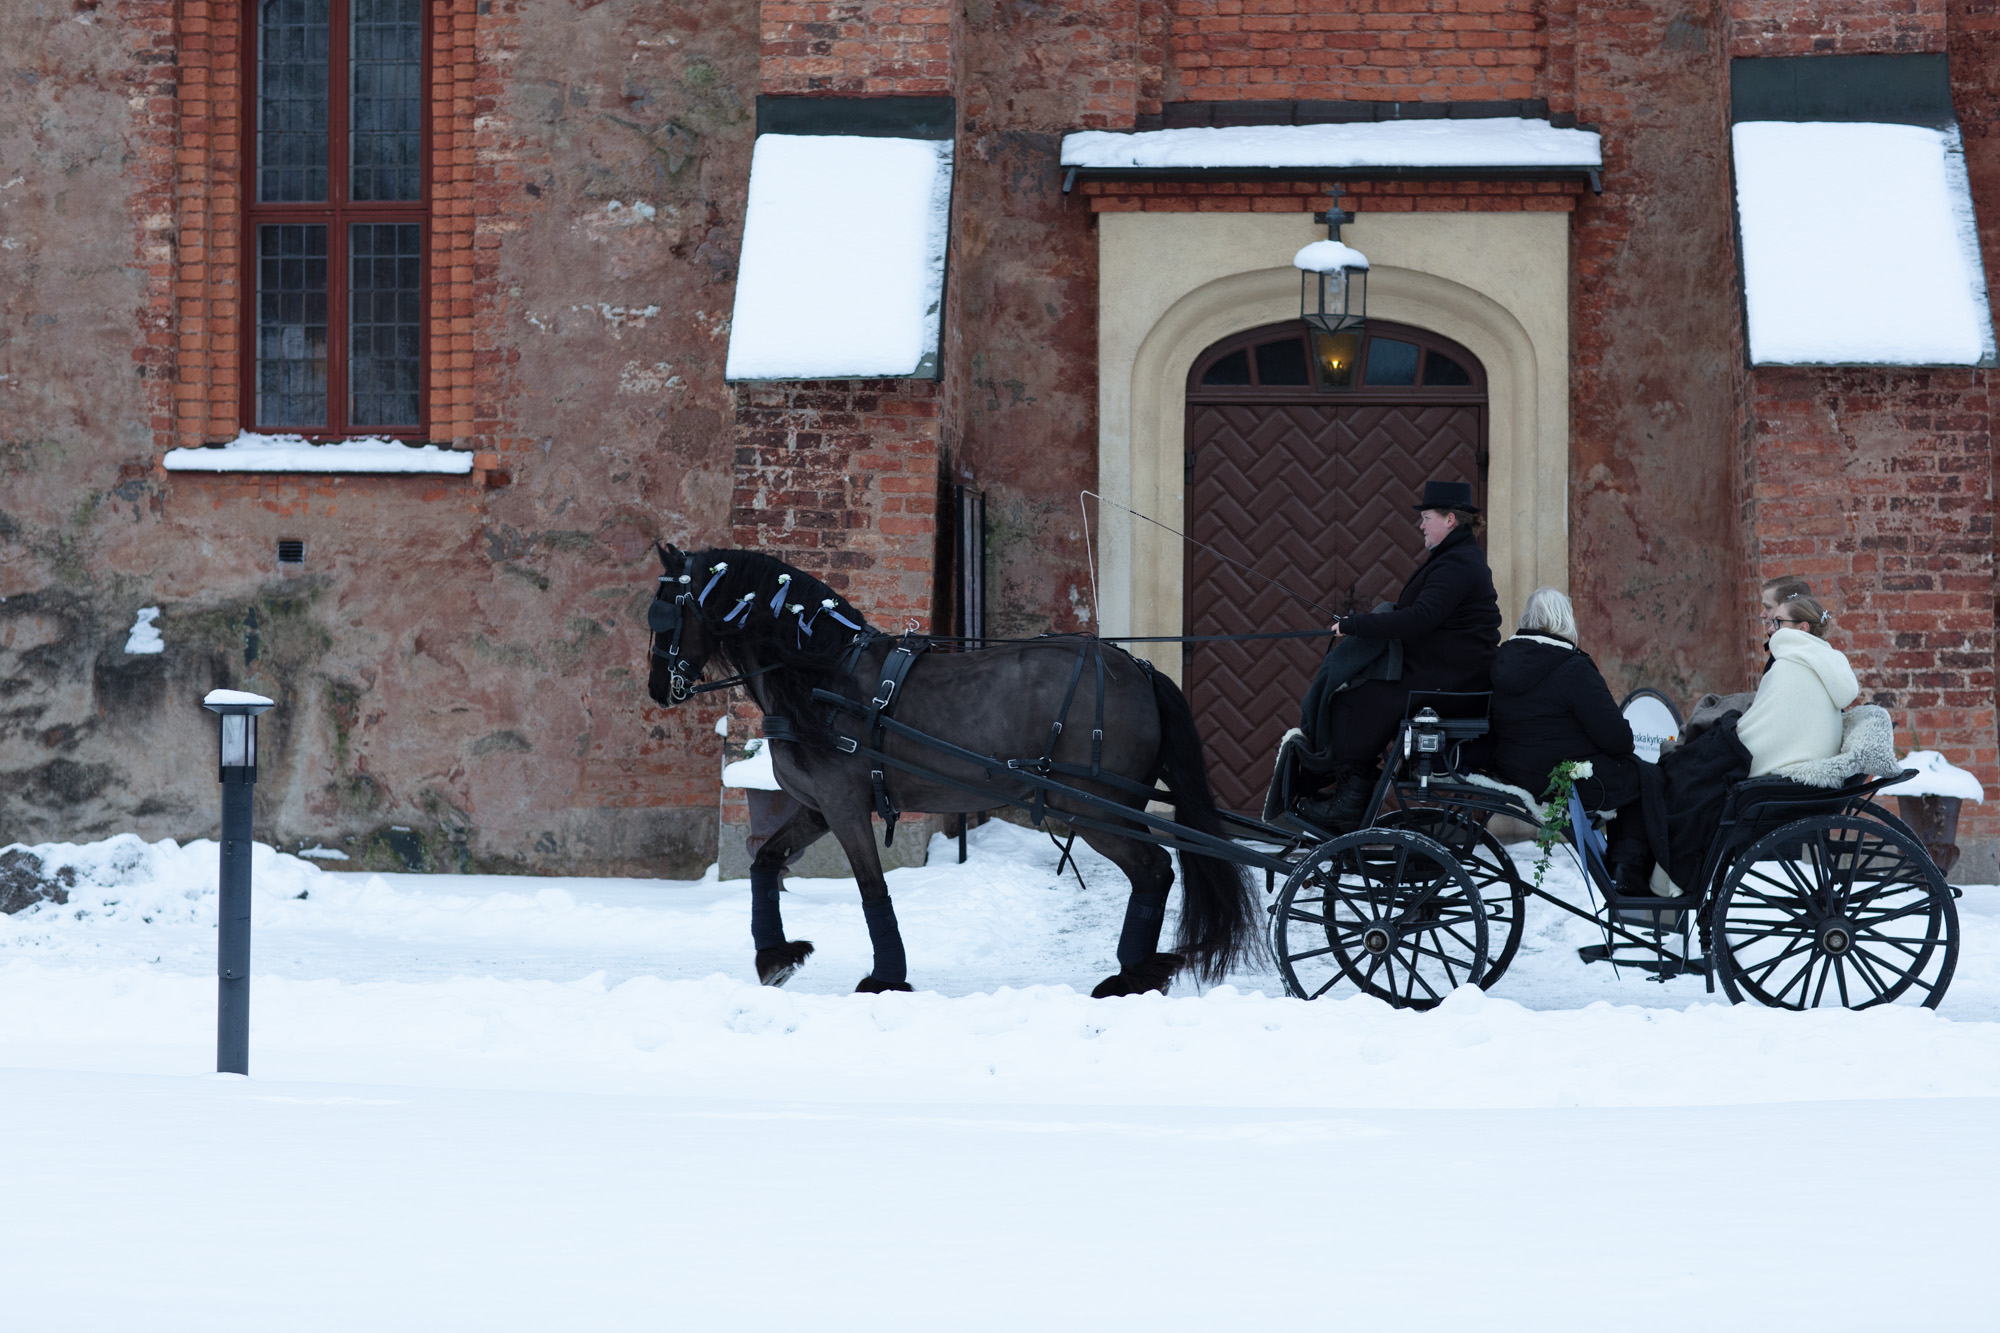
[1316,497]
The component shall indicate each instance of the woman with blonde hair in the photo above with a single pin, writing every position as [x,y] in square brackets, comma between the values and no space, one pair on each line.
[1796,715]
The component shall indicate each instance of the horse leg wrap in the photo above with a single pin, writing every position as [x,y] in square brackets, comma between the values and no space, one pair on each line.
[890,965]
[1145,910]
[767,926]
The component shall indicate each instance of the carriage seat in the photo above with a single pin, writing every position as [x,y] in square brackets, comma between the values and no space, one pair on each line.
[1531,807]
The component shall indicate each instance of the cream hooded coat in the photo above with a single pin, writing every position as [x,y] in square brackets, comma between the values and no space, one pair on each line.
[1797,713]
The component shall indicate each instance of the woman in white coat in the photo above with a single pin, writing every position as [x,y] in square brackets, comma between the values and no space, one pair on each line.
[1797,712]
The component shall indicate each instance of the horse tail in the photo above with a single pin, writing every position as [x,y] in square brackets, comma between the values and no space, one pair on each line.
[1218,905]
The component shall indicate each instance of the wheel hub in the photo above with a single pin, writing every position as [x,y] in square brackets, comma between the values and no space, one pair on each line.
[1836,936]
[1377,940]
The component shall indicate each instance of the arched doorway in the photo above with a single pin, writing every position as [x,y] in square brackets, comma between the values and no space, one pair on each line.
[1309,485]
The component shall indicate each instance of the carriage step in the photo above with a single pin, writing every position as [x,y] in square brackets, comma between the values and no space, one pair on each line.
[1660,967]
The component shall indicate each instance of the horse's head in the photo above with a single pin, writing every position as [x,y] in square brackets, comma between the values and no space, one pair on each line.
[681,640]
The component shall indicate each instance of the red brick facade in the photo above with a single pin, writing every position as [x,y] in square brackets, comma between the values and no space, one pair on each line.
[462,656]
[873,47]
[1835,27]
[1874,485]
[1388,50]
[841,477]
[1295,196]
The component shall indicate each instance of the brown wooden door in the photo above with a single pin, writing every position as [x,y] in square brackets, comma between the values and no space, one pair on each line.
[1310,490]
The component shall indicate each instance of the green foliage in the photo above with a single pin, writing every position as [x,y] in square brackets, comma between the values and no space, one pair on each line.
[1555,806]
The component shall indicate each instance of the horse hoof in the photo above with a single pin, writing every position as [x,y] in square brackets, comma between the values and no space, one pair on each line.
[776,964]
[1156,973]
[875,986]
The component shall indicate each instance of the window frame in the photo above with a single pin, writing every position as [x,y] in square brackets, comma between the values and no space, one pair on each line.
[1248,340]
[337,213]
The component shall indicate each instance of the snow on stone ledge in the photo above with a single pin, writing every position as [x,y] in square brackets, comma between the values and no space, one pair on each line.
[1859,246]
[251,452]
[842,269]
[1936,777]
[144,636]
[1497,142]
[752,770]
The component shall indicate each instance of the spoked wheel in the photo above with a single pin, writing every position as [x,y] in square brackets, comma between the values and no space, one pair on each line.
[1388,909]
[1492,871]
[1835,911]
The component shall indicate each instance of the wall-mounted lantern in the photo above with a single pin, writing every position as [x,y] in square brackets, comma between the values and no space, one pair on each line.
[238,715]
[1333,299]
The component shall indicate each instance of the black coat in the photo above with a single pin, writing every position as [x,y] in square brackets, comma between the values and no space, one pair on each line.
[1448,618]
[1550,703]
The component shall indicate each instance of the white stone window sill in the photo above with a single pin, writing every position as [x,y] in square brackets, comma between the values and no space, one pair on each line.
[250,452]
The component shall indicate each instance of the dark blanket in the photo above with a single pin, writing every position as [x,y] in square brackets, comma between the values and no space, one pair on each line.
[1695,780]
[1305,758]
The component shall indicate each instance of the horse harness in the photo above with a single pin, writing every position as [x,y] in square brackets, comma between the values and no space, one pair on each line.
[877,716]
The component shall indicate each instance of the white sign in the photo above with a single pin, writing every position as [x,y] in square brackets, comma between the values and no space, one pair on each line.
[1653,725]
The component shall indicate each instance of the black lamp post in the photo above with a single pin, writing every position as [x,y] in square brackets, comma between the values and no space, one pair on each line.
[239,774]
[1333,298]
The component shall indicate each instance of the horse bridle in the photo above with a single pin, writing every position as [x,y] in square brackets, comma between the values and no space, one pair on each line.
[668,616]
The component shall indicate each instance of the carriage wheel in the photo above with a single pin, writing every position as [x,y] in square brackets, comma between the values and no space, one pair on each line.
[1388,909]
[1835,910]
[1493,873]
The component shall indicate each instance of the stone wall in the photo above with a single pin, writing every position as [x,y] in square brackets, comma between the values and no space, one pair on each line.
[459,662]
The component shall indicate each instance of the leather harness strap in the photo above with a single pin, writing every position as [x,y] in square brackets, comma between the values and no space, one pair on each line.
[895,669]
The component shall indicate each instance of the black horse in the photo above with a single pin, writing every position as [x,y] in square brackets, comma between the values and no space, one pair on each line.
[786,634]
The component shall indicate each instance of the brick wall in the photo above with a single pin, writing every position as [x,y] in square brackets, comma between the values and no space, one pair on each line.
[1414,50]
[840,477]
[1360,196]
[855,46]
[1876,486]
[1834,27]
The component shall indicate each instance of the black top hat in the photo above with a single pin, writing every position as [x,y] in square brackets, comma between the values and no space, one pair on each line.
[1447,495]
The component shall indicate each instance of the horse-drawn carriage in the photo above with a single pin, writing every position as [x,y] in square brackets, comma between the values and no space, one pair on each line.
[1807,896]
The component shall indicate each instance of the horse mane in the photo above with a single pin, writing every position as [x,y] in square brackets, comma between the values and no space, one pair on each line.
[760,637]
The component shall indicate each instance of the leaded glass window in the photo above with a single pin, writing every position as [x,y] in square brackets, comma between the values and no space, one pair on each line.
[339,218]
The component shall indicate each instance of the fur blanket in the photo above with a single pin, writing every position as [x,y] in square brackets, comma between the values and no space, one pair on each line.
[1867,745]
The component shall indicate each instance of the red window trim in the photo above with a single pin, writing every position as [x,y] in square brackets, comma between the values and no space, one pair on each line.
[336,212]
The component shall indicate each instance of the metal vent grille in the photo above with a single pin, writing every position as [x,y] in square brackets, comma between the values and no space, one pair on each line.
[291,552]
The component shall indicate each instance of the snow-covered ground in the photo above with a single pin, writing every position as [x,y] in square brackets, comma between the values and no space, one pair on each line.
[491,1102]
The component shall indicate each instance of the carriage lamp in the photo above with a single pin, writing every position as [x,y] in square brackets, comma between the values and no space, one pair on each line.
[1333,298]
[1424,737]
[238,715]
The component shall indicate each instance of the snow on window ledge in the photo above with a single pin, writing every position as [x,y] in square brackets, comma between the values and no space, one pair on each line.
[251,452]
[1828,282]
